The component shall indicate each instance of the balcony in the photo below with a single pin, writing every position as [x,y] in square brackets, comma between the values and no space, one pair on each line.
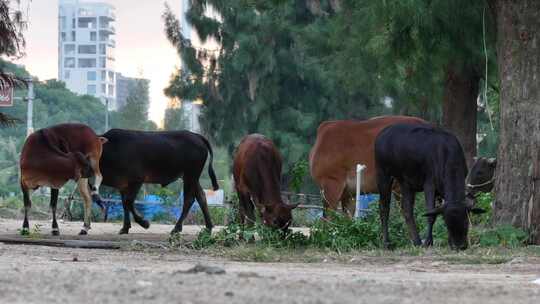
[109,29]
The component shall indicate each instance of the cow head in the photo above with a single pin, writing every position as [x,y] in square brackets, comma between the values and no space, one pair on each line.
[83,167]
[456,218]
[278,216]
[480,177]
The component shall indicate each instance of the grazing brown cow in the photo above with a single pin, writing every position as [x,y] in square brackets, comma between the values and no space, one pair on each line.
[52,156]
[339,147]
[257,175]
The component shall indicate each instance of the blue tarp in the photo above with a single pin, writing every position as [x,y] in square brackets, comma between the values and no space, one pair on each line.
[151,207]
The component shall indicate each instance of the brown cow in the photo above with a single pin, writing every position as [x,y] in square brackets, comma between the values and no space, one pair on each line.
[52,156]
[339,147]
[257,175]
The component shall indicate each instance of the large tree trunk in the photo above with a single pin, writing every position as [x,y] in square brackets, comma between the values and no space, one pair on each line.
[518,47]
[459,107]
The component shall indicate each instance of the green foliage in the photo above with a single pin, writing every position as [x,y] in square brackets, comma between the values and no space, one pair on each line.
[176,118]
[342,234]
[299,172]
[505,235]
[261,72]
[134,115]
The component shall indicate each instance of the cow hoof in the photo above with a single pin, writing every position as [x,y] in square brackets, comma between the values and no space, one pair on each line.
[83,232]
[145,224]
[25,231]
[427,243]
[55,232]
[123,231]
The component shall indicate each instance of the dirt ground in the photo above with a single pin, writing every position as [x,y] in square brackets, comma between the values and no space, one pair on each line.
[39,274]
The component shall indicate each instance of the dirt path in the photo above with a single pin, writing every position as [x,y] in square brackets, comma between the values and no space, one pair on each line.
[37,274]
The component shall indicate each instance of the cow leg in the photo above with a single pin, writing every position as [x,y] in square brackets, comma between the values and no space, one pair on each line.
[429,193]
[247,213]
[129,201]
[407,208]
[385,190]
[332,191]
[127,219]
[189,191]
[201,199]
[54,201]
[84,190]
[27,205]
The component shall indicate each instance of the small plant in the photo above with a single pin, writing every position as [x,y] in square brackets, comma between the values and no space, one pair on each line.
[506,236]
[298,173]
[175,240]
[204,239]
[35,232]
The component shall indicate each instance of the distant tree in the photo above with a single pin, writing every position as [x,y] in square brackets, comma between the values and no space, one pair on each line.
[134,115]
[260,80]
[175,118]
[12,44]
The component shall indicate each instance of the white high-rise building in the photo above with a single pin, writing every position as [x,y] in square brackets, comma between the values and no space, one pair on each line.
[86,48]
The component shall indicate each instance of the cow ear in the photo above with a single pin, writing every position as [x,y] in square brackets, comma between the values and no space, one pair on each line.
[477,210]
[435,212]
[103,140]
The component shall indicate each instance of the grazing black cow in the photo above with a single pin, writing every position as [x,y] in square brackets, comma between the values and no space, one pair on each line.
[481,177]
[429,159]
[132,158]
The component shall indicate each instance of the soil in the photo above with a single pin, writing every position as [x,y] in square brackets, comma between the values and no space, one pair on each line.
[39,274]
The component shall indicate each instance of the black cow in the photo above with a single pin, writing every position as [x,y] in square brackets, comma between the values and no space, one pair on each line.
[429,159]
[481,177]
[132,158]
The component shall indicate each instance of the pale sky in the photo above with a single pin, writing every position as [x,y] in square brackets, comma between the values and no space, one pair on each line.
[141,45]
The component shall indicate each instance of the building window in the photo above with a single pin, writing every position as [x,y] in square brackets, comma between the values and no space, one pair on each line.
[69,49]
[91,89]
[67,74]
[111,76]
[63,22]
[104,89]
[87,63]
[93,36]
[87,49]
[73,36]
[87,23]
[103,76]
[102,62]
[63,36]
[102,49]
[111,90]
[91,75]
[73,23]
[69,62]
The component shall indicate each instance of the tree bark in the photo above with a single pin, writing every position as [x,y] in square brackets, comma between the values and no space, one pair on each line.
[517,186]
[461,90]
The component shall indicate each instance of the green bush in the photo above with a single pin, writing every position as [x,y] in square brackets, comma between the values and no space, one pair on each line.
[506,236]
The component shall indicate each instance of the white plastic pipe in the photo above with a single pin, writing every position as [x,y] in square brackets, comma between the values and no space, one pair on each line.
[359,169]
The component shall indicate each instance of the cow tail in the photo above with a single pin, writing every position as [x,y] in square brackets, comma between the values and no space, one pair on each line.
[47,139]
[211,172]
